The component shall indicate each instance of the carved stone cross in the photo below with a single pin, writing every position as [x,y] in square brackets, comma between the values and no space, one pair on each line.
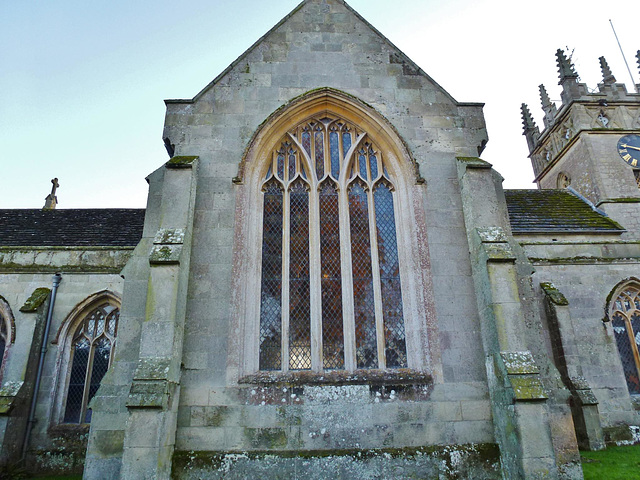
[51,201]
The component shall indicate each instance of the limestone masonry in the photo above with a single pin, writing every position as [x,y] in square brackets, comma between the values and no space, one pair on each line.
[329,282]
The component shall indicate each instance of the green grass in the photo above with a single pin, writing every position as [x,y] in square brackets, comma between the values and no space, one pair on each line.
[614,463]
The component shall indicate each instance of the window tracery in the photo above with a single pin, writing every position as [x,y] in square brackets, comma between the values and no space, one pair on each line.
[91,354]
[331,295]
[625,319]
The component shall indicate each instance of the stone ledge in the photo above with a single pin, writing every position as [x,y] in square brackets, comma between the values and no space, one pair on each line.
[358,377]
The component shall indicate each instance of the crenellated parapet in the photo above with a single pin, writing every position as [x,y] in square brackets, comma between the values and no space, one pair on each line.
[609,108]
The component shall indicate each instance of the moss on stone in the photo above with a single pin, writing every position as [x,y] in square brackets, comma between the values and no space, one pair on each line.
[181,161]
[37,298]
[554,294]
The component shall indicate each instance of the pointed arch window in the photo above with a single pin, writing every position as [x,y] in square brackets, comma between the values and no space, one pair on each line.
[92,345]
[331,296]
[625,319]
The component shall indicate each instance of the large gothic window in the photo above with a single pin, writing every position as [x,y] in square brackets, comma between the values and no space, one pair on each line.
[331,295]
[92,345]
[625,318]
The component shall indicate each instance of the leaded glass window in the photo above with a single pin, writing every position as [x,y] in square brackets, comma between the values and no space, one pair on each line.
[331,296]
[625,319]
[91,354]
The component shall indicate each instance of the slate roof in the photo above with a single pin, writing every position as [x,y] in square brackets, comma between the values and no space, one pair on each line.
[71,227]
[555,211]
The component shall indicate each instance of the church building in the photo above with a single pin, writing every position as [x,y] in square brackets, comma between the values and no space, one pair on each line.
[328,281]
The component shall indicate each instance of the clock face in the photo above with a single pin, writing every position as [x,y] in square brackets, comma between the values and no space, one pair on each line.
[629,149]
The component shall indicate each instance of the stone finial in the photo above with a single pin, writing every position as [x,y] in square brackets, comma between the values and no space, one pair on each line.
[638,57]
[51,201]
[530,129]
[607,76]
[548,107]
[565,67]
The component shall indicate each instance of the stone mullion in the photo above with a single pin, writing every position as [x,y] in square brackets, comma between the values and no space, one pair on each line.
[348,314]
[315,279]
[632,340]
[286,258]
[87,378]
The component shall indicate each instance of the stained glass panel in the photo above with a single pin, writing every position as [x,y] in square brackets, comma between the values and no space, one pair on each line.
[335,154]
[299,294]
[280,163]
[625,320]
[395,344]
[363,302]
[362,162]
[3,337]
[271,288]
[319,145]
[346,143]
[373,161]
[331,283]
[292,163]
[306,141]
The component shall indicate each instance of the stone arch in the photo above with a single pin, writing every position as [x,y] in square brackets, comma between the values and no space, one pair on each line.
[623,312]
[249,213]
[106,302]
[316,102]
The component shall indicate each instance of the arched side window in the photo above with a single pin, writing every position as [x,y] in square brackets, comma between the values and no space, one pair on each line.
[91,353]
[625,319]
[331,295]
[6,333]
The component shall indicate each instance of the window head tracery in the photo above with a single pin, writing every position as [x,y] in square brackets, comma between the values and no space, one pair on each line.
[91,354]
[625,319]
[330,290]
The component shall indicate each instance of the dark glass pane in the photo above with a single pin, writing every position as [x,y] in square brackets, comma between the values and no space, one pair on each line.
[271,285]
[306,141]
[112,325]
[75,394]
[101,353]
[292,163]
[331,283]
[319,144]
[395,345]
[3,337]
[626,353]
[281,165]
[362,164]
[346,143]
[335,154]
[299,291]
[373,161]
[363,303]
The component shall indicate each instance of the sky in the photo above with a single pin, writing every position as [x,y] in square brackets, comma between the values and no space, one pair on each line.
[82,83]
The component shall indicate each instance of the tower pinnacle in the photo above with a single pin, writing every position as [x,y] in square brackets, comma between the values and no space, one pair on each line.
[565,67]
[548,107]
[530,129]
[607,76]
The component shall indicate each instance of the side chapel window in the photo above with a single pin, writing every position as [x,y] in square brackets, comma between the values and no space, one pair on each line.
[91,354]
[330,290]
[625,319]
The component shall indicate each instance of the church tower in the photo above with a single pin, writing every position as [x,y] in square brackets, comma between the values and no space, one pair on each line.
[591,143]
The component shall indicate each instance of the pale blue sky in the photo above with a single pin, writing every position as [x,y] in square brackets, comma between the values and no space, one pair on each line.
[82,83]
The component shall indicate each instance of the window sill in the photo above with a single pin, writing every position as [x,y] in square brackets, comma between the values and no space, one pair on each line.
[359,377]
